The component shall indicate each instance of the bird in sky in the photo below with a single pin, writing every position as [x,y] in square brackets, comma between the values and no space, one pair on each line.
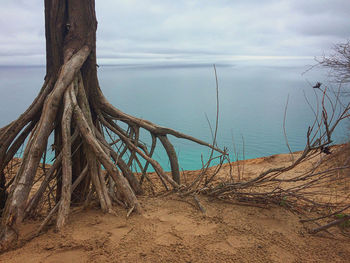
[318,85]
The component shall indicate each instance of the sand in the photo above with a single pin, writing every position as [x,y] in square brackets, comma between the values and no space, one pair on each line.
[172,229]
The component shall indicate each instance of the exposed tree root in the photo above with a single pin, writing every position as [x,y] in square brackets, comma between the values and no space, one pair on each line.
[89,133]
[76,123]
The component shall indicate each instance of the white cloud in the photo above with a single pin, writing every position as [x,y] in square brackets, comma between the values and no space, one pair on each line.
[132,31]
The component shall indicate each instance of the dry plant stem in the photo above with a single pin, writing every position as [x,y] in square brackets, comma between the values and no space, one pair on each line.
[329,215]
[297,192]
[218,167]
[236,158]
[205,167]
[198,203]
[284,130]
[216,125]
[331,224]
[338,62]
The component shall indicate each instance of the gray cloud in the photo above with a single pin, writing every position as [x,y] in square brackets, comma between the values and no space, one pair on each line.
[133,31]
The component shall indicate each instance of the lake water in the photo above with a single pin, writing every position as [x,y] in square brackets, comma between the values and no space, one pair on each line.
[252,100]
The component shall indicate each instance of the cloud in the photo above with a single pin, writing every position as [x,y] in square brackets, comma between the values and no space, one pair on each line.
[22,32]
[132,31]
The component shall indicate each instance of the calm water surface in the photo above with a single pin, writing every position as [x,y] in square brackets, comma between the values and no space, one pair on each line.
[252,99]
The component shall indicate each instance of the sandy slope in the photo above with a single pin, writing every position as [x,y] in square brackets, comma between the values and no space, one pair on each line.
[174,230]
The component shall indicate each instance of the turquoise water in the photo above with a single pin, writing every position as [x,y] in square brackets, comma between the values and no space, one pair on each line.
[252,99]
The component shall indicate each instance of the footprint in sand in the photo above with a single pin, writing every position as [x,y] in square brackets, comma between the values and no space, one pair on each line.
[118,233]
[231,244]
[167,239]
[183,224]
[72,256]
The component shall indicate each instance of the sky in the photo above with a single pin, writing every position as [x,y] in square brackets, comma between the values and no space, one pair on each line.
[186,31]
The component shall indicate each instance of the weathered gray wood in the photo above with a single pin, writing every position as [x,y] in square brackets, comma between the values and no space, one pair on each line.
[122,184]
[14,212]
[174,163]
[64,206]
[95,172]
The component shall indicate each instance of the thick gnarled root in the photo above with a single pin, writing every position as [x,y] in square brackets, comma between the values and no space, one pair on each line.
[92,129]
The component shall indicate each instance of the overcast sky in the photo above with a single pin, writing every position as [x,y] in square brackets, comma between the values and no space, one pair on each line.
[186,31]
